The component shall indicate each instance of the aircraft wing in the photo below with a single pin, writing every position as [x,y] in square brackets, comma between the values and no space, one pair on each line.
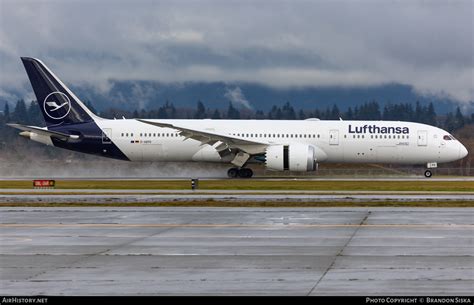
[207,137]
[44,132]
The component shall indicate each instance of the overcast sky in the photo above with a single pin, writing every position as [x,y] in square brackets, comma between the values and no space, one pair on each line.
[427,44]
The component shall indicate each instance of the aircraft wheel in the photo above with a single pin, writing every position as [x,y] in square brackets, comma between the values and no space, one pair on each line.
[245,173]
[428,173]
[232,172]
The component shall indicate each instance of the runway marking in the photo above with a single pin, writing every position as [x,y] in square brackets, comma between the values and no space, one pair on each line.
[159,225]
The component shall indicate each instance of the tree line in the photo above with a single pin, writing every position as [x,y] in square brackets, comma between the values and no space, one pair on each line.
[30,114]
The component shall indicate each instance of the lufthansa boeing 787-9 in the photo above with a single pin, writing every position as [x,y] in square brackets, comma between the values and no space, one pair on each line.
[277,144]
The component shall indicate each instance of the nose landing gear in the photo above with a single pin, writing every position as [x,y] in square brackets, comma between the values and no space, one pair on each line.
[243,172]
[431,165]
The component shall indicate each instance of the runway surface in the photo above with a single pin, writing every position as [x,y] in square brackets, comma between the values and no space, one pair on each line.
[238,197]
[239,251]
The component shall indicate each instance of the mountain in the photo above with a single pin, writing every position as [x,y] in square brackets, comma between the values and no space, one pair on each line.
[132,95]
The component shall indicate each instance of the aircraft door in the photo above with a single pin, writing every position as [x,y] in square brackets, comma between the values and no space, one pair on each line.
[107,136]
[334,137]
[422,138]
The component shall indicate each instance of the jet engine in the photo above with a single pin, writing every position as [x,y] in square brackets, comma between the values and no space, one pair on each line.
[293,157]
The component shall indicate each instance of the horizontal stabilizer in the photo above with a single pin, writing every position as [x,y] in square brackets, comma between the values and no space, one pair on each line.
[44,132]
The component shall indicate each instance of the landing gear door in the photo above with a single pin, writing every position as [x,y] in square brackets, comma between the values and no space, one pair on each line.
[422,138]
[334,137]
[106,136]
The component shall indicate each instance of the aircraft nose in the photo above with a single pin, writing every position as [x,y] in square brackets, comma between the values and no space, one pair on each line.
[462,151]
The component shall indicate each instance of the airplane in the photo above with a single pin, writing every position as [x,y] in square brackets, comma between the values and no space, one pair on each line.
[280,145]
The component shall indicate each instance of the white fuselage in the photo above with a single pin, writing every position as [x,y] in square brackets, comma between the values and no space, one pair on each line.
[341,141]
[281,145]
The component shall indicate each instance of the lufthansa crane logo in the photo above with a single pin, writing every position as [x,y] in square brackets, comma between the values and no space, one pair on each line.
[57,105]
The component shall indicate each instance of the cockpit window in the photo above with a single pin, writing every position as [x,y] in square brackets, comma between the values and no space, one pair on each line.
[447,137]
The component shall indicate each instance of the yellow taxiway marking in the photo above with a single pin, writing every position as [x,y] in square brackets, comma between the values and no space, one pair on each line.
[286,225]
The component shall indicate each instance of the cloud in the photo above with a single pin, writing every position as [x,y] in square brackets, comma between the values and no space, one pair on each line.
[237,97]
[426,44]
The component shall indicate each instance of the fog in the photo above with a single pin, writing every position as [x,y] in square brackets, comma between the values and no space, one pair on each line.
[111,169]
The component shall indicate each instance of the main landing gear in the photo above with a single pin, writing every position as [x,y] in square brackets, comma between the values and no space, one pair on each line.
[428,173]
[243,172]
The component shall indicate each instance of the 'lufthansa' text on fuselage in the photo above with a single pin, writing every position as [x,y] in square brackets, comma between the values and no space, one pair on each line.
[378,129]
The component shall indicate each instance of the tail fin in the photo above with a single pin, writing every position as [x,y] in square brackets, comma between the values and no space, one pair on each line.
[57,103]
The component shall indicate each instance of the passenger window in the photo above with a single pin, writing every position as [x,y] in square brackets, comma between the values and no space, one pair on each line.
[130,134]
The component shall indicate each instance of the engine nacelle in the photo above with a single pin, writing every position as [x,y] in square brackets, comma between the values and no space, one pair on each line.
[293,157]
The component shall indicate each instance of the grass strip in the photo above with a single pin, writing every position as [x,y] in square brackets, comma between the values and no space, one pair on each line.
[256,184]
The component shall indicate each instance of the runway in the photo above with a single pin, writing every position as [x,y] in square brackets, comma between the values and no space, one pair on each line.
[237,251]
[121,198]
